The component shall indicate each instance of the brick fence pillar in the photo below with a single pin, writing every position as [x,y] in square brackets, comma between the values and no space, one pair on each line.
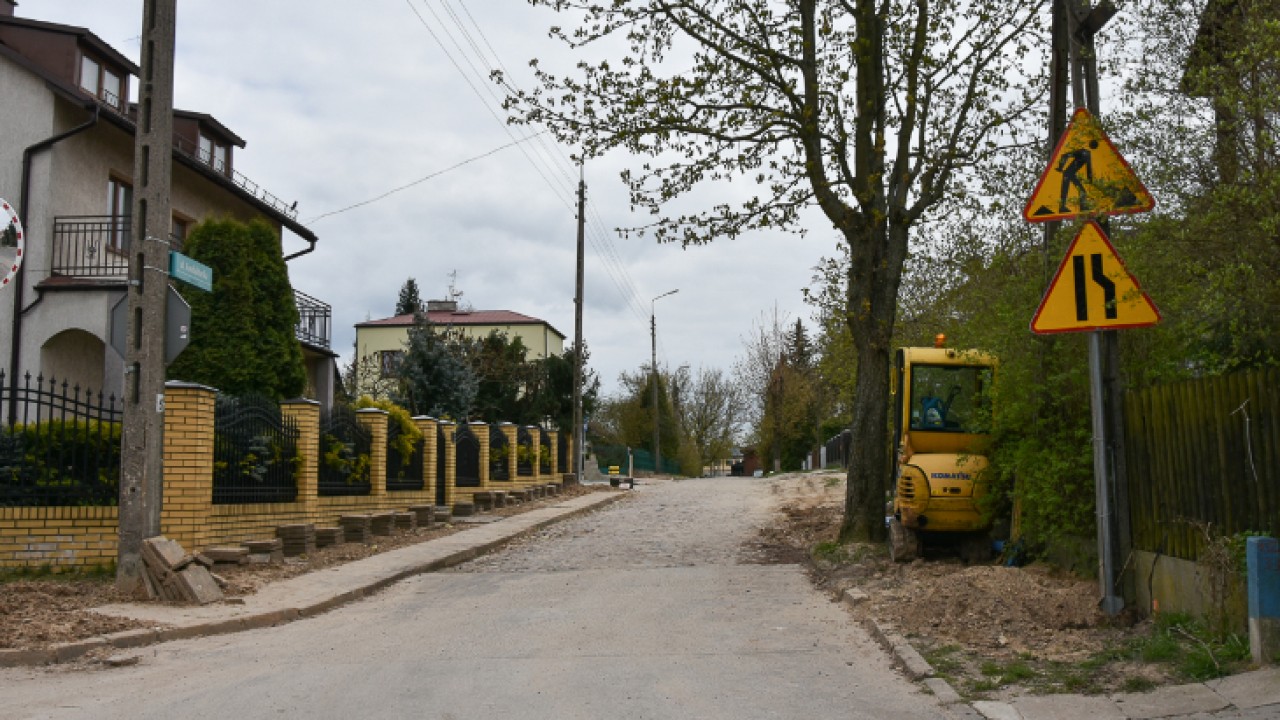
[305,415]
[429,449]
[187,494]
[375,421]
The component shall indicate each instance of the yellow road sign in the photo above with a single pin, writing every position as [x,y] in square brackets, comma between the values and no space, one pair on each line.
[1093,290]
[1086,176]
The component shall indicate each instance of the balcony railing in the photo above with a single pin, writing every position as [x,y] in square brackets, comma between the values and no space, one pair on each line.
[314,318]
[98,247]
[91,246]
[184,147]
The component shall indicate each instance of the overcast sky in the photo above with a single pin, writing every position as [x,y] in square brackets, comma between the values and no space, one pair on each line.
[343,102]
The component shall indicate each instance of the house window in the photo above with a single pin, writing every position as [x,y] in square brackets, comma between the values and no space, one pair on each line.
[111,88]
[214,154]
[181,226]
[89,75]
[119,207]
[391,360]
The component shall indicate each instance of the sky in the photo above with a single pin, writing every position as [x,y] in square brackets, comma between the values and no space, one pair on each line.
[385,105]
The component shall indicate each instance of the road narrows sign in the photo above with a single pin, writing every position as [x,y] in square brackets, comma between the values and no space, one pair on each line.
[1093,290]
[1086,176]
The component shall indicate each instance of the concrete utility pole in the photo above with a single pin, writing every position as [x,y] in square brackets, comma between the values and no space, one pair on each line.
[653,336]
[142,450]
[579,432]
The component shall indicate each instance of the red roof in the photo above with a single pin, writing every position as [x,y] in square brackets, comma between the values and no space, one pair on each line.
[462,317]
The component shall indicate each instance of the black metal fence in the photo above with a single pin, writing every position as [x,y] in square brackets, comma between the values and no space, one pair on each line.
[60,445]
[544,452]
[499,452]
[346,448]
[467,458]
[838,448]
[524,453]
[405,458]
[442,465]
[255,452]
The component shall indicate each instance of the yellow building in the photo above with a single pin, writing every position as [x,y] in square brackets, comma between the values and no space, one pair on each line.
[380,344]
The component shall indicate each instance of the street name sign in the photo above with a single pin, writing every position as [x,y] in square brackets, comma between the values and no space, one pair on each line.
[191,271]
[1093,290]
[1086,176]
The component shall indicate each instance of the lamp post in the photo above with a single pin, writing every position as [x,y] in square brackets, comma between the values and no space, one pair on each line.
[653,335]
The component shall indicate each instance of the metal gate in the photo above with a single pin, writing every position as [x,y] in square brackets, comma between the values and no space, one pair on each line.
[441,465]
[499,452]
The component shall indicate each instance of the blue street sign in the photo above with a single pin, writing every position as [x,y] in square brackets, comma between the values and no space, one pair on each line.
[191,271]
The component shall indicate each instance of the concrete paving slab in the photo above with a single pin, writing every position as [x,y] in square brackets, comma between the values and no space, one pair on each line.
[1067,707]
[1170,702]
[1249,690]
[992,710]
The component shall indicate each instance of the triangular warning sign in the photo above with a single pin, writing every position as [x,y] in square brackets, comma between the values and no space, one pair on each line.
[1086,177]
[1093,290]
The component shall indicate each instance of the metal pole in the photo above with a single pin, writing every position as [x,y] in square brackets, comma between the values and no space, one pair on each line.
[579,434]
[1084,21]
[142,437]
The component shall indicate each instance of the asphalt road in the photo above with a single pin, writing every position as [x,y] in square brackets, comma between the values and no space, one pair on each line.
[648,608]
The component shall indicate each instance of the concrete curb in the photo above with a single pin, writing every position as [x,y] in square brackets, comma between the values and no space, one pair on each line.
[129,639]
[913,665]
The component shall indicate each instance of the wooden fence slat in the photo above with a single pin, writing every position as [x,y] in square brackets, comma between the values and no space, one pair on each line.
[1188,454]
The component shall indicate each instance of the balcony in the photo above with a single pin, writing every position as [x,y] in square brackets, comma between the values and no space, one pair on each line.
[97,247]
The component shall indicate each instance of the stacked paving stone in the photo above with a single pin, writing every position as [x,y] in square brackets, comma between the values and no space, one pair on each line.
[463,509]
[357,528]
[263,552]
[405,520]
[483,500]
[297,539]
[169,573]
[326,536]
[382,523]
[442,514]
[227,555]
[425,514]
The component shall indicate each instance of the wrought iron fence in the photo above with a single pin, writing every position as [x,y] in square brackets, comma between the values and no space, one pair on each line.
[544,452]
[499,452]
[524,453]
[442,465]
[345,451]
[467,458]
[562,453]
[255,452]
[405,469]
[59,446]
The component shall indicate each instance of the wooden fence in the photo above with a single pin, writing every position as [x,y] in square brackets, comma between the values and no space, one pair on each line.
[1203,454]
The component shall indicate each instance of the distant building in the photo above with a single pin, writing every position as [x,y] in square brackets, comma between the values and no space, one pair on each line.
[66,164]
[382,342]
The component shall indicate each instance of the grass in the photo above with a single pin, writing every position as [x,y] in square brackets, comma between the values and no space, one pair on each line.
[51,572]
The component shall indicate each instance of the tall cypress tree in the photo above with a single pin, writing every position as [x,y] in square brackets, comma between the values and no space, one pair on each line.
[242,333]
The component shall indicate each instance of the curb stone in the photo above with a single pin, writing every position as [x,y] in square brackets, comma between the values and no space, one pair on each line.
[140,637]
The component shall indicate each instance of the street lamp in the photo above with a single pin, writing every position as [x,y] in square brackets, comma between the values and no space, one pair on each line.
[653,335]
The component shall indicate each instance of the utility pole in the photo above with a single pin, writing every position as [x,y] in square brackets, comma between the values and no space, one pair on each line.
[142,442]
[1085,20]
[653,336]
[579,434]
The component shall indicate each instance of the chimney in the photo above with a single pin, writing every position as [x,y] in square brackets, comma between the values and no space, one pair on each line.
[435,305]
[7,6]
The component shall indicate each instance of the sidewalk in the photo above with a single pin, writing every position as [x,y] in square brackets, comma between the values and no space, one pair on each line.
[314,592]
[1255,694]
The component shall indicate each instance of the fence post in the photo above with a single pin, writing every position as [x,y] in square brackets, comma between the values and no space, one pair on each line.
[481,430]
[509,430]
[428,427]
[375,421]
[187,490]
[305,414]
[450,462]
[553,440]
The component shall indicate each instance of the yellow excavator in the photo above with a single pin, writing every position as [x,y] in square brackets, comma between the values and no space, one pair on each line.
[942,424]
